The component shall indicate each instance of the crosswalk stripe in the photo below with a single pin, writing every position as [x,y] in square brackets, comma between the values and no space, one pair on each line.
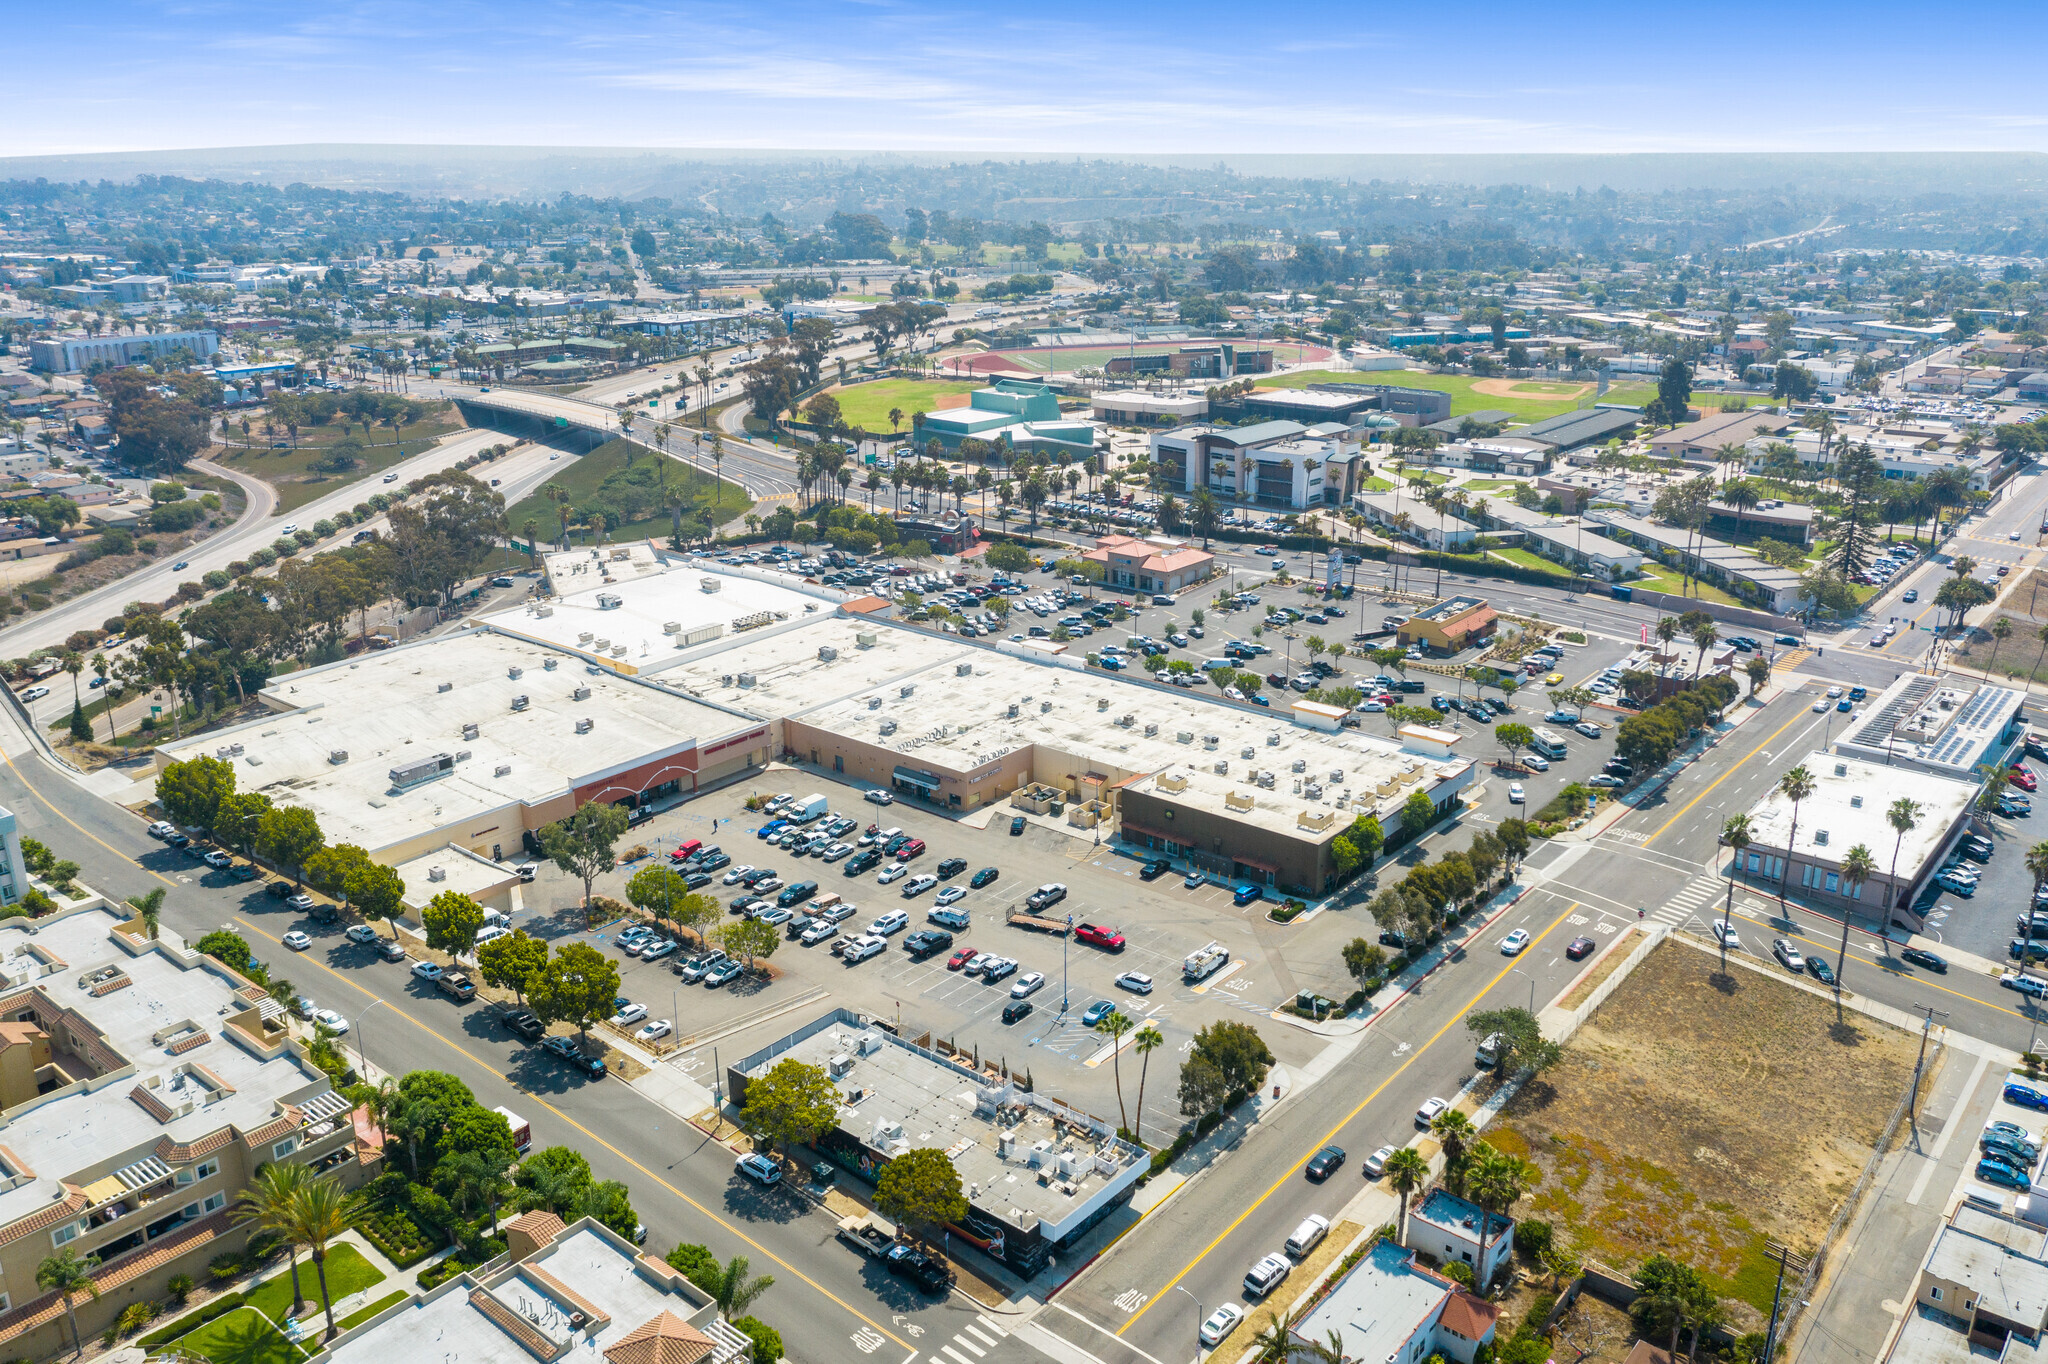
[958,1358]
[978,1336]
[1000,1332]
[966,1344]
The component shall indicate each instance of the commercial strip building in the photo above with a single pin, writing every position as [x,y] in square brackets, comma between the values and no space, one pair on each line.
[1450,625]
[1389,1307]
[1567,540]
[76,354]
[1948,726]
[1412,519]
[1716,561]
[1146,565]
[1705,439]
[1847,810]
[1272,463]
[1038,1174]
[558,1293]
[1982,1293]
[141,1085]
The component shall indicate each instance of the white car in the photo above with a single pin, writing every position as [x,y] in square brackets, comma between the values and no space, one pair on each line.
[632,1013]
[895,921]
[1375,1164]
[1031,982]
[732,877]
[951,895]
[766,884]
[918,885]
[1427,1114]
[35,693]
[297,941]
[1513,943]
[1221,1323]
[330,1020]
[661,1027]
[1137,982]
[895,871]
[1724,933]
[861,948]
[1539,764]
[427,970]
[833,852]
[361,933]
[1834,693]
[288,527]
[879,798]
[1516,795]
[1368,707]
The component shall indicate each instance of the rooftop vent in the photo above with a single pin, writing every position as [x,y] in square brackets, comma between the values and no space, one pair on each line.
[548,664]
[1102,703]
[515,673]
[471,731]
[827,654]
[888,727]
[964,670]
[1044,707]
[462,755]
[1841,769]
[519,703]
[874,703]
[1820,838]
[585,725]
[1151,730]
[444,686]
[337,756]
[671,627]
[580,694]
[906,689]
[746,681]
[437,873]
[608,601]
[1013,710]
[504,770]
[1855,802]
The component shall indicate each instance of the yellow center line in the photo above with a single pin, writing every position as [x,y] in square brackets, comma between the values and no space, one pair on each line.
[1732,770]
[1917,980]
[1331,1135]
[367,993]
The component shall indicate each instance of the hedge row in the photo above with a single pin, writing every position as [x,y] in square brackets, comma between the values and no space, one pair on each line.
[191,1321]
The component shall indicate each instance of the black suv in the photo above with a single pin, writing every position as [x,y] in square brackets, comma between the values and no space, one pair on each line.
[1154,869]
[524,1023]
[951,868]
[926,941]
[921,1269]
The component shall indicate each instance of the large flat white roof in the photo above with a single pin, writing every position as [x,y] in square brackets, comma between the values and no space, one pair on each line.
[404,706]
[1848,807]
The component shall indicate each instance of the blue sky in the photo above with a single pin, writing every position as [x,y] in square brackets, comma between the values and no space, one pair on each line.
[1045,75]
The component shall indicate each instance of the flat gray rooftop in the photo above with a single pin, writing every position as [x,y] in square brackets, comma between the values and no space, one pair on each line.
[1379,1306]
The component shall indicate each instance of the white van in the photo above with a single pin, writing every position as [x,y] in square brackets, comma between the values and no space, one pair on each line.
[1308,1235]
[1488,1055]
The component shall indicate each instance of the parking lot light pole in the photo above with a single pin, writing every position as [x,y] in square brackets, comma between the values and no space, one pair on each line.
[1064,978]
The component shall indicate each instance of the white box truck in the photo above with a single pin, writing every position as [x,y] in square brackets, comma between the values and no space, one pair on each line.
[805,811]
[522,1135]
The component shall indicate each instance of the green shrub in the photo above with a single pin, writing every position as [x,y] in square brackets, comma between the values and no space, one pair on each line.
[398,1234]
[1532,1237]
[767,1341]
[192,1321]
[180,1288]
[227,1266]
[1458,1272]
[696,1264]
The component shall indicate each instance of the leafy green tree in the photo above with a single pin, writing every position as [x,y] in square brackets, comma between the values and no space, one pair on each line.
[512,962]
[1670,1295]
[1521,1045]
[576,987]
[288,835]
[452,921]
[767,1340]
[191,791]
[1237,1051]
[662,892]
[1364,960]
[237,818]
[229,949]
[792,1105]
[584,844]
[695,1263]
[376,891]
[1418,812]
[748,939]
[555,1178]
[328,870]
[921,1189]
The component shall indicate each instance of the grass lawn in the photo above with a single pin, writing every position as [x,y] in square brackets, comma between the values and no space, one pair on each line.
[347,1272]
[1529,560]
[245,1337]
[293,472]
[241,1337]
[601,480]
[1491,485]
[1667,580]
[364,1313]
[1376,484]
[1463,397]
[867,405]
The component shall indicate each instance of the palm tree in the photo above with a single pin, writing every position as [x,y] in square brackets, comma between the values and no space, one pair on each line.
[1741,495]
[1794,786]
[1666,630]
[2001,631]
[69,1273]
[1455,1132]
[1276,1344]
[734,1292]
[717,472]
[1904,815]
[1703,638]
[1735,836]
[1498,1183]
[321,1212]
[1149,1038]
[1859,866]
[1406,1173]
[149,908]
[1114,1027]
[271,1202]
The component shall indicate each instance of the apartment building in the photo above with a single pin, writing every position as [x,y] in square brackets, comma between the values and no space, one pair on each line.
[141,1085]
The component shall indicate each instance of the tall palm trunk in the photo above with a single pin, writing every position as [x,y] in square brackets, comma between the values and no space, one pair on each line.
[1791,842]
[326,1302]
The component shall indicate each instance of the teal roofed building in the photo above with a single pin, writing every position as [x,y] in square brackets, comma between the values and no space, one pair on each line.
[1004,403]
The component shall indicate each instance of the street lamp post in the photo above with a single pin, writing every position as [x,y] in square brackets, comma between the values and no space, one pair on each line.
[1064,978]
[1532,987]
[1201,1314]
[357,1028]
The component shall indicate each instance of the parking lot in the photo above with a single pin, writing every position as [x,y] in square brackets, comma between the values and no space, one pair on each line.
[1984,922]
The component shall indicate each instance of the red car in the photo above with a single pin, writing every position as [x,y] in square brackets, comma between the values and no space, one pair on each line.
[2021,778]
[909,850]
[1580,948]
[960,958]
[1097,936]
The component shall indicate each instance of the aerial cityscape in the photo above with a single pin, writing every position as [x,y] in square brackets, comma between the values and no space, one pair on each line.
[832,496]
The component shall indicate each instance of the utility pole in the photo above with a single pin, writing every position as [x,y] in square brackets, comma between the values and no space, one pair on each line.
[1785,1259]
[1920,1062]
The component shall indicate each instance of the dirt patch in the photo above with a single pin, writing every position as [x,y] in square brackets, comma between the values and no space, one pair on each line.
[1516,388]
[1682,1121]
[1605,967]
[1305,1273]
[949,400]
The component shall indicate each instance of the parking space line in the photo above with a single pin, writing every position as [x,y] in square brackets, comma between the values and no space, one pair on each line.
[1236,965]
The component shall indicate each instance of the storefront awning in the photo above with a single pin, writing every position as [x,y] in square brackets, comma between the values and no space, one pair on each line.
[911,776]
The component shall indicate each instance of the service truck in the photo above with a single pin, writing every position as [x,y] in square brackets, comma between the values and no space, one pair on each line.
[1204,962]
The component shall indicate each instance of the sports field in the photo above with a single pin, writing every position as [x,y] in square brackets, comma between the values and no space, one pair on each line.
[1530,400]
[868,405]
[1066,359]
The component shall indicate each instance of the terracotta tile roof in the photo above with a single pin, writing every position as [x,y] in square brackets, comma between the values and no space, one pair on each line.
[512,1324]
[188,1042]
[1470,1317]
[138,1262]
[151,1104]
[667,1339]
[540,1224]
[555,1287]
[42,1219]
[276,1130]
[861,606]
[1479,619]
[16,1163]
[222,1085]
[18,1032]
[180,1152]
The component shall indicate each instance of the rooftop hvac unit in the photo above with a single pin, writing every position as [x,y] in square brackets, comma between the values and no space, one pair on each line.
[1273,739]
[1820,838]
[1301,765]
[1151,730]
[1247,752]
[337,756]
[870,1042]
[600,646]
[874,703]
[906,689]
[709,584]
[1337,776]
[967,670]
[1044,707]
[671,627]
[444,686]
[838,1067]
[608,601]
[618,651]
[462,755]
[1855,802]
[1186,736]
[746,681]
[888,727]
[543,612]
[580,694]
[1222,766]
[584,726]
[1013,710]
[471,731]
[1313,790]
[865,639]
[1102,703]
[1211,740]
[519,703]
[504,770]
[827,654]
[584,636]
[1266,780]
[548,664]
[426,769]
[437,873]
[515,673]
[1841,769]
